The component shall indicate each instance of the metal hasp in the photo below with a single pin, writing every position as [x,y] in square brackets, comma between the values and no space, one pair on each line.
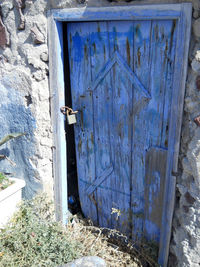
[134,60]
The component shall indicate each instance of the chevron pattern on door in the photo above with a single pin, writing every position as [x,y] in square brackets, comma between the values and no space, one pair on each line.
[121,82]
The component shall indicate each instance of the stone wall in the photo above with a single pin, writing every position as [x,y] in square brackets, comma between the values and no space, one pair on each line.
[24,91]
[25,107]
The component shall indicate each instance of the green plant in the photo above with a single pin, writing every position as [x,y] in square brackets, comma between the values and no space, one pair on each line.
[33,238]
[4,181]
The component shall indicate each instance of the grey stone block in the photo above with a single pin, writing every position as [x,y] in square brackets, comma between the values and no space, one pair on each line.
[90,261]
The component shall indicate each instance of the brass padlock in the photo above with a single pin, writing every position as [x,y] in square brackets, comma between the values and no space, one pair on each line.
[71,115]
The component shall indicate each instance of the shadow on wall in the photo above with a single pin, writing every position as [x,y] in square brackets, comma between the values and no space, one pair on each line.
[16,117]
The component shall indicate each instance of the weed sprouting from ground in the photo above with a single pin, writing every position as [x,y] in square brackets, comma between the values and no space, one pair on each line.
[33,238]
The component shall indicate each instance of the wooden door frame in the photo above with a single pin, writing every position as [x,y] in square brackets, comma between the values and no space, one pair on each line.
[181,13]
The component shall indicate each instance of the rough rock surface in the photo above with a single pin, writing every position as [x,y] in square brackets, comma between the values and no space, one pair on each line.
[24,91]
[4,39]
[196,28]
[92,261]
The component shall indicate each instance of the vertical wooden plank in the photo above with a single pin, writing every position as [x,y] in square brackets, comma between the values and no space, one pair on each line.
[57,100]
[101,113]
[160,43]
[180,69]
[121,40]
[161,34]
[153,115]
[61,144]
[167,42]
[80,75]
[141,66]
[170,52]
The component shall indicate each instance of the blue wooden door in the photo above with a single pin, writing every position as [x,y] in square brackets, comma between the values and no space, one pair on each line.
[121,76]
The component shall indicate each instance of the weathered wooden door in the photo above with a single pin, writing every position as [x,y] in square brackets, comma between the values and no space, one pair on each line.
[121,82]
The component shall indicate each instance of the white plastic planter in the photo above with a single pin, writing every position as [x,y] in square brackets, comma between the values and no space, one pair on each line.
[9,199]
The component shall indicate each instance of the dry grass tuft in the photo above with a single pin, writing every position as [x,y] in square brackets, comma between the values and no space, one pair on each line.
[108,244]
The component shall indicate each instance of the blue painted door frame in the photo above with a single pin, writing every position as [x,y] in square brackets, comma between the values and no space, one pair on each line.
[181,13]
